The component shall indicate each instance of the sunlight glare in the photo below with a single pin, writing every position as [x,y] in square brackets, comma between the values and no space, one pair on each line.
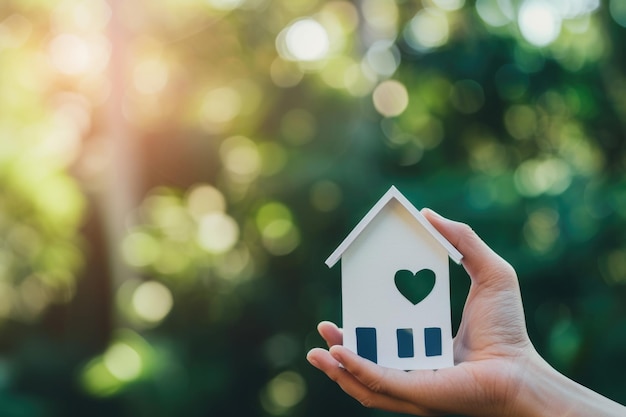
[70,54]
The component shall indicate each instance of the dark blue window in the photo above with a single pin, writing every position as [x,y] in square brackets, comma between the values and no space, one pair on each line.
[366,343]
[432,341]
[405,343]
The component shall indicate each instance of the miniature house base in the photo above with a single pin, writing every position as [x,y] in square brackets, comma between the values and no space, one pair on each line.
[382,321]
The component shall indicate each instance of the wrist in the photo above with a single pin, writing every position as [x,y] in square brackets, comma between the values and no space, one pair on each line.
[543,391]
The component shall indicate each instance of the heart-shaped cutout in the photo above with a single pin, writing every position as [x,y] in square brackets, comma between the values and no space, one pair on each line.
[415,286]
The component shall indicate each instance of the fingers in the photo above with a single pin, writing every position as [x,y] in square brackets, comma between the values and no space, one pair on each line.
[370,384]
[402,385]
[376,378]
[324,361]
[480,261]
[331,333]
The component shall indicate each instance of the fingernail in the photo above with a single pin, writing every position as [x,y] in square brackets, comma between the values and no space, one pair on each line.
[335,352]
[312,360]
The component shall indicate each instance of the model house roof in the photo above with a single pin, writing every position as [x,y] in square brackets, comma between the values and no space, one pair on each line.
[392,193]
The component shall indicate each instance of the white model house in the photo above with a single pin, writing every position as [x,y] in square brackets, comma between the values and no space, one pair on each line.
[396,287]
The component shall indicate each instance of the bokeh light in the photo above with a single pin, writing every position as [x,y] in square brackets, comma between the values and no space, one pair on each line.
[152,301]
[150,76]
[617,9]
[449,5]
[81,15]
[273,158]
[217,233]
[226,4]
[298,126]
[521,121]
[220,106]
[75,55]
[283,392]
[127,359]
[281,349]
[535,177]
[14,31]
[539,22]
[204,199]
[495,13]
[140,249]
[467,96]
[382,17]
[325,196]
[541,230]
[383,57]
[285,73]
[428,29]
[70,54]
[304,40]
[572,9]
[279,234]
[565,341]
[122,361]
[614,266]
[390,98]
[241,158]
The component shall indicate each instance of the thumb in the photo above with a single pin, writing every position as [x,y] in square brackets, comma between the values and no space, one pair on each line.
[479,260]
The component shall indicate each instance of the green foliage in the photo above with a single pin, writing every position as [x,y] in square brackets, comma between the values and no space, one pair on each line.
[258,149]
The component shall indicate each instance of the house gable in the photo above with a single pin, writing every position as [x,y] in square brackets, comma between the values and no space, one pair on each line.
[392,194]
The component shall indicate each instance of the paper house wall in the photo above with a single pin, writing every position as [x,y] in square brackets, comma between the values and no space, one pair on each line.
[380,322]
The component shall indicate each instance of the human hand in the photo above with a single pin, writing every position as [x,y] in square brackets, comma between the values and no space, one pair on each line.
[492,350]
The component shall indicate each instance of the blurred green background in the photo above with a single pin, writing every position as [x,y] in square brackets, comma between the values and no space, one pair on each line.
[174,173]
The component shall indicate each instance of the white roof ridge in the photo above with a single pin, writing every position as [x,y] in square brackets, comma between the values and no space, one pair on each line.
[393,192]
